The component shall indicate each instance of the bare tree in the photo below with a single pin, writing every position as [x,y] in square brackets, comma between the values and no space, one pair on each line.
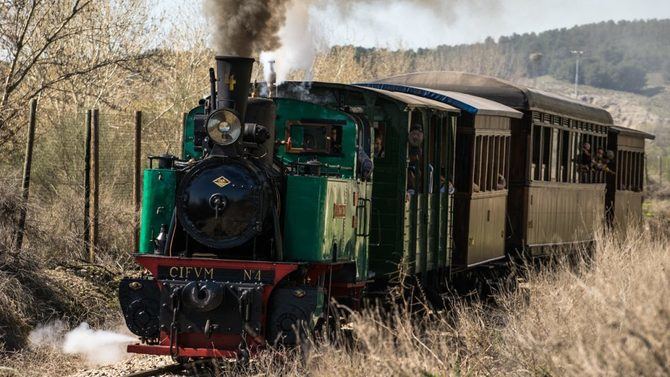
[66,51]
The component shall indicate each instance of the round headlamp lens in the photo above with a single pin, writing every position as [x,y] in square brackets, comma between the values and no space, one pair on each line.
[224,127]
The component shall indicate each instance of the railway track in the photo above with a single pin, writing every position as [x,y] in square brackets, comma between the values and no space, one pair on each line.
[205,367]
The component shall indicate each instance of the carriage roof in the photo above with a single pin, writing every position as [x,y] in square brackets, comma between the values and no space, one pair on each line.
[514,95]
[466,102]
[631,132]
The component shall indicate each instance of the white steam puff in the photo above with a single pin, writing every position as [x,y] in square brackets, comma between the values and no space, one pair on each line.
[299,42]
[98,347]
[48,335]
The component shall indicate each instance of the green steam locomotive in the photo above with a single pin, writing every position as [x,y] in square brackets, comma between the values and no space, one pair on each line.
[320,192]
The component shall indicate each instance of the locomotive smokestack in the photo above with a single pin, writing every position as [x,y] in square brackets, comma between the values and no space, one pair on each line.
[233,74]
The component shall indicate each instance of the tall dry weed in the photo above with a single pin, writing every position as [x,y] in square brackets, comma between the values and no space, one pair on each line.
[604,312]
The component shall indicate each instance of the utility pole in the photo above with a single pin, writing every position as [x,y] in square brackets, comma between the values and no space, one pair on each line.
[579,55]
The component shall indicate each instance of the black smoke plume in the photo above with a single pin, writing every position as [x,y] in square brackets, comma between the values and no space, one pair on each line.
[244,27]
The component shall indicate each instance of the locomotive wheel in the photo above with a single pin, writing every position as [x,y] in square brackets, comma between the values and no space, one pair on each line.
[332,328]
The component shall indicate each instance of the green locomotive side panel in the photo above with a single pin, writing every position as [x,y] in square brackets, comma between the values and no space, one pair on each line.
[158,196]
[304,219]
[189,150]
[322,221]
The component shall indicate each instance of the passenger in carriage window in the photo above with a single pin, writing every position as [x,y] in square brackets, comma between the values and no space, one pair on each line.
[365,164]
[585,159]
[412,173]
[610,161]
[502,182]
[446,187]
[475,187]
[449,188]
[584,162]
[414,176]
[379,147]
[416,135]
[335,142]
[602,161]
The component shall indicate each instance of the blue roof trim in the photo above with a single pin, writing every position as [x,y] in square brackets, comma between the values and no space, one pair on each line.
[425,94]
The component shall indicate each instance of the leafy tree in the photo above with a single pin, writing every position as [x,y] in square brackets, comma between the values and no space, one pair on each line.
[629,78]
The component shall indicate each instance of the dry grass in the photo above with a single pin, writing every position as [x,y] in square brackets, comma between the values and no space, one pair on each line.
[609,314]
[34,291]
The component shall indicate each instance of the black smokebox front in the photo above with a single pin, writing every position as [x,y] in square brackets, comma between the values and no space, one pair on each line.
[233,76]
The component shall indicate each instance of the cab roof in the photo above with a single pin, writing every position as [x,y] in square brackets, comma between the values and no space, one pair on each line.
[513,95]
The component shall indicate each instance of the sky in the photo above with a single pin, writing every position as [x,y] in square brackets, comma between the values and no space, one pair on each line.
[404,24]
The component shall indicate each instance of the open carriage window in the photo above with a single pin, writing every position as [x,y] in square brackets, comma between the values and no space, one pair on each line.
[314,138]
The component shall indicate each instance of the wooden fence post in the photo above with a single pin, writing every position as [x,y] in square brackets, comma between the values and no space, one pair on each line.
[95,185]
[137,181]
[27,165]
[87,184]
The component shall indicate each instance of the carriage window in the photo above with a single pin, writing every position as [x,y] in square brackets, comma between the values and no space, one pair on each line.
[619,170]
[486,163]
[554,154]
[497,160]
[501,163]
[640,172]
[490,169]
[626,171]
[564,160]
[537,137]
[478,164]
[546,153]
[314,138]
[629,171]
[415,167]
[574,156]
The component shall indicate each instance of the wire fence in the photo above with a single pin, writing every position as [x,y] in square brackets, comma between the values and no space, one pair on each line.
[57,199]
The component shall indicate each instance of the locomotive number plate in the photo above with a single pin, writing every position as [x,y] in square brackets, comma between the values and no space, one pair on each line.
[218,274]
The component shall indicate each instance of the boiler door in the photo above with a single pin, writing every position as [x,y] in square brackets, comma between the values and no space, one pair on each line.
[219,203]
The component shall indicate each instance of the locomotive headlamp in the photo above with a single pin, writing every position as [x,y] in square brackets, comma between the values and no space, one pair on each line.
[224,127]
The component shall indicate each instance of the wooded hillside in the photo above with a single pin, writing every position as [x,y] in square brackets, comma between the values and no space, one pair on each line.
[617,55]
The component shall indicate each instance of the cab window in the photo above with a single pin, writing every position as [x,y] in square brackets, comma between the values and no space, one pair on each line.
[314,138]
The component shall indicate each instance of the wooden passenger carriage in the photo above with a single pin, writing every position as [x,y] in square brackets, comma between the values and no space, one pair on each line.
[483,142]
[626,186]
[553,199]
